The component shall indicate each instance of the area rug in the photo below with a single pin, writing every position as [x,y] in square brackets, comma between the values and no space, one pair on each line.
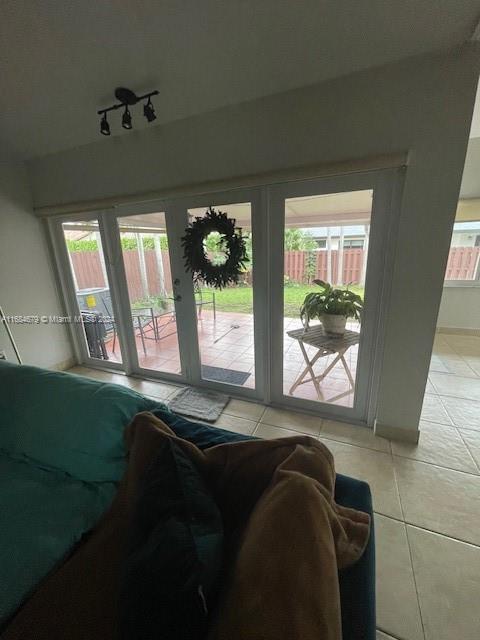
[196,403]
[224,375]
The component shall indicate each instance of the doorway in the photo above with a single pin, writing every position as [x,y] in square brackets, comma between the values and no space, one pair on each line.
[247,339]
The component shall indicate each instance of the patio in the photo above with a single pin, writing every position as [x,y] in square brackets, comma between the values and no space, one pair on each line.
[227,343]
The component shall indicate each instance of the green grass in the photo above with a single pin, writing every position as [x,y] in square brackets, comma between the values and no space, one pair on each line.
[240,299]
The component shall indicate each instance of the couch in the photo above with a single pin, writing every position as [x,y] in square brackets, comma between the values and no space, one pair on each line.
[61,459]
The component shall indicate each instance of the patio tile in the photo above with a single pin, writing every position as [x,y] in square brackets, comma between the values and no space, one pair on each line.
[458,386]
[244,409]
[440,445]
[398,611]
[269,432]
[439,499]
[374,467]
[447,574]
[292,420]
[465,414]
[434,411]
[353,434]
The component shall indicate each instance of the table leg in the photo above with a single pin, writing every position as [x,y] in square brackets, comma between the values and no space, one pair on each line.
[141,334]
[308,369]
[298,381]
[347,371]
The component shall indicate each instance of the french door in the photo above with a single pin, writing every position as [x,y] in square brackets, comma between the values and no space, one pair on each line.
[335,230]
[125,267]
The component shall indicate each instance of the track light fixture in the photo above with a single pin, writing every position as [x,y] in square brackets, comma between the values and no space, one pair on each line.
[127,119]
[127,98]
[104,126]
[149,111]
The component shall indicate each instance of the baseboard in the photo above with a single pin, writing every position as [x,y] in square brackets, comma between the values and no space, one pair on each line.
[459,331]
[396,433]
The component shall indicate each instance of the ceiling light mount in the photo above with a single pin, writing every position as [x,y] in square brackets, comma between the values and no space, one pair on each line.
[127,98]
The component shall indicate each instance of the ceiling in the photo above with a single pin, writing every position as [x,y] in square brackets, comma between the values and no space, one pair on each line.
[60,60]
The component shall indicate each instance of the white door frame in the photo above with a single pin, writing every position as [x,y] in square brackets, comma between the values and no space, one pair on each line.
[64,277]
[377,285]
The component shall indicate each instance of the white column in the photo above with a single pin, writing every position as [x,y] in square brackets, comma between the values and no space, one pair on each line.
[340,256]
[329,255]
[101,257]
[143,265]
[159,261]
[365,254]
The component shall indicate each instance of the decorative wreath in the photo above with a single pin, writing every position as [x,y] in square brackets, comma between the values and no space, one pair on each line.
[198,262]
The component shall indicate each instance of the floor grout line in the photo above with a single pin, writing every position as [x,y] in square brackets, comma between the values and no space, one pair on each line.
[407,523]
[434,464]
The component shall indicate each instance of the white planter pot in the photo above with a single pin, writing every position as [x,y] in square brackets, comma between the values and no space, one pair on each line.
[334,325]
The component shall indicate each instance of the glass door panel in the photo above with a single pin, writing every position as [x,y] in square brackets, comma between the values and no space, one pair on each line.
[146,258]
[92,290]
[325,238]
[225,318]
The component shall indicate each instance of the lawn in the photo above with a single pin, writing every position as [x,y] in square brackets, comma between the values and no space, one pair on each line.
[240,299]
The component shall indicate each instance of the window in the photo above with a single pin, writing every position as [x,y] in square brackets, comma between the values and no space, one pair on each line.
[353,243]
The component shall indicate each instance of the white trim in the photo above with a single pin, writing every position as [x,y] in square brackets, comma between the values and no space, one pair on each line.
[461,284]
[396,433]
[458,331]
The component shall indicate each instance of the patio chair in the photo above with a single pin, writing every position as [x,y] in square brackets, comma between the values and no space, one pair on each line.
[110,324]
[200,300]
[95,333]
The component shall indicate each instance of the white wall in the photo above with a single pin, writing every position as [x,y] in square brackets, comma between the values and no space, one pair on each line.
[460,308]
[26,278]
[421,105]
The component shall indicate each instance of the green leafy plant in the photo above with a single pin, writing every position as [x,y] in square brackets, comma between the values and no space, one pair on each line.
[157,302]
[128,244]
[330,301]
[299,240]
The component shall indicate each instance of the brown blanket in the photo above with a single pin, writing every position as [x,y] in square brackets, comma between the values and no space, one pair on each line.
[289,538]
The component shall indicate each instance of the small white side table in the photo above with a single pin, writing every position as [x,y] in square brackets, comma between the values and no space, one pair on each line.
[327,345]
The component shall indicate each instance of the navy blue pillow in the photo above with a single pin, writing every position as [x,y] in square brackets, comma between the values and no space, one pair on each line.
[174,555]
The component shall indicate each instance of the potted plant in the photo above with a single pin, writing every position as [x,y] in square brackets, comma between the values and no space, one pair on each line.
[332,306]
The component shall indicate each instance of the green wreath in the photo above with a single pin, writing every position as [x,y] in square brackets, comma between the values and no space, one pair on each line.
[196,258]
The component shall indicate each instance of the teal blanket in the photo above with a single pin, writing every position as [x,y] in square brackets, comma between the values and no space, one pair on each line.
[43,514]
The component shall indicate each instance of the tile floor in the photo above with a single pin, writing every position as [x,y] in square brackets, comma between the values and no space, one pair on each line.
[426,496]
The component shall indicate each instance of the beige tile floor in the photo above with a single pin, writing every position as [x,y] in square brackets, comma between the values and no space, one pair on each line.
[426,496]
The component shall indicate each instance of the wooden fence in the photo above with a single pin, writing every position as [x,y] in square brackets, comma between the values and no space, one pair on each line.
[305,266]
[300,266]
[463,263]
[89,272]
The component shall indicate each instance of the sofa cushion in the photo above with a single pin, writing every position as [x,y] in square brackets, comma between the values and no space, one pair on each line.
[43,514]
[66,422]
[175,550]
